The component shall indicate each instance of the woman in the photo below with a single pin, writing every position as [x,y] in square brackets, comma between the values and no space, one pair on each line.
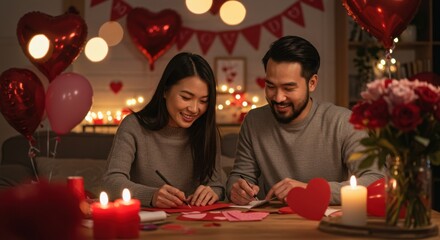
[175,134]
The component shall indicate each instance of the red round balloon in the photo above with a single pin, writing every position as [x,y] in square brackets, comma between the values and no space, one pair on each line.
[22,100]
[67,34]
[153,33]
[384,19]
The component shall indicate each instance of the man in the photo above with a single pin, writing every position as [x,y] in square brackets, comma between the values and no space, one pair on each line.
[294,138]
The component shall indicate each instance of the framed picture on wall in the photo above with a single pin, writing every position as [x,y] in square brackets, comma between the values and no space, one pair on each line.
[230,72]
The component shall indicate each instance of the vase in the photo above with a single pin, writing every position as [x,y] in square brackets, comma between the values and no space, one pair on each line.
[408,191]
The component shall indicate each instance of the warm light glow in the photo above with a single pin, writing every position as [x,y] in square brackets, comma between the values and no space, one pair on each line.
[198,6]
[255,99]
[38,46]
[244,104]
[393,60]
[396,40]
[353,181]
[253,106]
[231,90]
[112,32]
[238,87]
[126,196]
[103,199]
[140,99]
[220,107]
[224,88]
[237,96]
[96,49]
[232,12]
[383,62]
[100,115]
[228,102]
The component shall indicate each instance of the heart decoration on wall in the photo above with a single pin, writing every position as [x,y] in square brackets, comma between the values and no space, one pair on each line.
[116,86]
[312,201]
[153,33]
[261,82]
[67,34]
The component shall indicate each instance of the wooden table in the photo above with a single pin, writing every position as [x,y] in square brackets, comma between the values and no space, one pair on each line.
[274,226]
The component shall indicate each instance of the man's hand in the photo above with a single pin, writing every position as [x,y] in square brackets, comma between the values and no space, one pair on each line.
[242,192]
[283,187]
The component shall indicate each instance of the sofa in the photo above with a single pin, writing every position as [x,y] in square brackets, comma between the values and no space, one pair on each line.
[73,154]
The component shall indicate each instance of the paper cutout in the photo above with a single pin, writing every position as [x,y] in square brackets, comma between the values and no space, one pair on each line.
[238,216]
[185,208]
[312,201]
[232,216]
[286,210]
[196,216]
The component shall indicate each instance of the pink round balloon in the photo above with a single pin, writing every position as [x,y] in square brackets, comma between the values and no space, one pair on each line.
[68,99]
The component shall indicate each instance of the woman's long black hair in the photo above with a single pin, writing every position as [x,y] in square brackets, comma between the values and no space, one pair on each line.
[203,132]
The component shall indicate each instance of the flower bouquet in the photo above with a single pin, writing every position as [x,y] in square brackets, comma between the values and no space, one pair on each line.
[402,121]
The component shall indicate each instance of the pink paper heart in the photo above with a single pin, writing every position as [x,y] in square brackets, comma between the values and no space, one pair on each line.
[312,201]
[116,86]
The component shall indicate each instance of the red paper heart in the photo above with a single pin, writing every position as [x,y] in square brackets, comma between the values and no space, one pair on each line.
[116,86]
[312,201]
[153,33]
[261,82]
[67,34]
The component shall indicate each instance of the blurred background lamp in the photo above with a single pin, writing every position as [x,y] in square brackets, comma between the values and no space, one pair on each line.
[96,49]
[112,32]
[198,6]
[38,46]
[232,12]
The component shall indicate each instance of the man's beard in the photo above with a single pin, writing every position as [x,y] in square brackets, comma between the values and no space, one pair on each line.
[295,112]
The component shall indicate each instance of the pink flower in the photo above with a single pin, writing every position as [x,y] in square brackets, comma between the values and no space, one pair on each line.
[400,92]
[375,89]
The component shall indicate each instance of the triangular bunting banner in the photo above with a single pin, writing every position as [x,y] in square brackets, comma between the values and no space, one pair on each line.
[206,38]
[229,38]
[119,9]
[318,4]
[183,37]
[252,35]
[96,2]
[295,14]
[275,26]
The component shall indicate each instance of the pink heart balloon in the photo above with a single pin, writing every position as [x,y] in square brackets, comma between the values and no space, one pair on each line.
[153,33]
[384,19]
[67,34]
[312,201]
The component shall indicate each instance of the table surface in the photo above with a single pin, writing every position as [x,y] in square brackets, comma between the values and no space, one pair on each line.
[274,226]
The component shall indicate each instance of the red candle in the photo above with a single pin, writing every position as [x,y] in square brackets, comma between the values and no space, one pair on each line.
[104,218]
[76,185]
[128,215]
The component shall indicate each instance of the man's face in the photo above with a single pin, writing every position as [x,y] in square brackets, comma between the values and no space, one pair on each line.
[287,92]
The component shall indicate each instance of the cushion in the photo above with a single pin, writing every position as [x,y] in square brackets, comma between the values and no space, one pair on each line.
[58,169]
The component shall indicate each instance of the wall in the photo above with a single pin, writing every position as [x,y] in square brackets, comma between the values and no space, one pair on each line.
[126,64]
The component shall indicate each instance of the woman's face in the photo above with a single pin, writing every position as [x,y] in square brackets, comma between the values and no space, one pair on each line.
[186,101]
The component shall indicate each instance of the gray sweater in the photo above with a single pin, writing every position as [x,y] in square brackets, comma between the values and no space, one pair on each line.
[318,146]
[137,153]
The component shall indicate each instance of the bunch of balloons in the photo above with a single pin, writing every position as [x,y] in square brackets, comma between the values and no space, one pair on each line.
[69,96]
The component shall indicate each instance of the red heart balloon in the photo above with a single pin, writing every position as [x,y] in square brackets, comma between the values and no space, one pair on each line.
[312,201]
[153,33]
[384,19]
[261,82]
[22,100]
[116,86]
[67,34]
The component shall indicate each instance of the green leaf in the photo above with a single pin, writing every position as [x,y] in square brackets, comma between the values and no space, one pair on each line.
[387,145]
[367,162]
[422,140]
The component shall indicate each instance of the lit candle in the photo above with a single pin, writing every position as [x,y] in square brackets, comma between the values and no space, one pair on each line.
[354,204]
[104,215]
[128,215]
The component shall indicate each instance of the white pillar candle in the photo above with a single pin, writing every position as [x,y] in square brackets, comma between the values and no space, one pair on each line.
[354,204]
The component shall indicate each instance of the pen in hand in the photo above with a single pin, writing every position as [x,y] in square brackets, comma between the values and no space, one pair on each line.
[167,182]
[255,195]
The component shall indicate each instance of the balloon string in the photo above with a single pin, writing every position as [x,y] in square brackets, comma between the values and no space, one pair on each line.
[388,58]
[53,153]
[32,153]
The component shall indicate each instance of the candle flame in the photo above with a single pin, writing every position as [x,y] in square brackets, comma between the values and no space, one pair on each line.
[103,198]
[353,181]
[126,195]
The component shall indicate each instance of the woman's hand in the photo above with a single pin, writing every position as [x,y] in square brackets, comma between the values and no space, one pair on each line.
[168,197]
[204,195]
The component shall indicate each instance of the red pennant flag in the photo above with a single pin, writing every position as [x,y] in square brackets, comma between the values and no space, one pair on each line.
[275,26]
[96,2]
[229,38]
[318,4]
[252,35]
[119,9]
[206,38]
[183,37]
[295,14]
